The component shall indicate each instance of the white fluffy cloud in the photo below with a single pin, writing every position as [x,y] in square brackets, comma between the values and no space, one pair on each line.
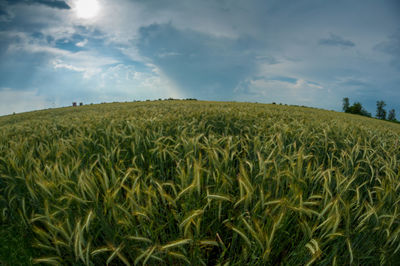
[126,81]
[299,92]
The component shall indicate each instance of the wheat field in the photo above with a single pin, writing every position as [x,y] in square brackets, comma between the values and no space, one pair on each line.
[202,183]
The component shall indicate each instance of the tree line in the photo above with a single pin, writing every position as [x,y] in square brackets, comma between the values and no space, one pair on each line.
[358,109]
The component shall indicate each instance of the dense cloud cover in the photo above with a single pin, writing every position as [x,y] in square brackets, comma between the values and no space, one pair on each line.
[297,52]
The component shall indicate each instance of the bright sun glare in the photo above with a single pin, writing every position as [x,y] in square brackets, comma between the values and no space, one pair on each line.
[87,8]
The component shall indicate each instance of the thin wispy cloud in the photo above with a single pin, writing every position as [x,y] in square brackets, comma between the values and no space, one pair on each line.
[391,47]
[335,40]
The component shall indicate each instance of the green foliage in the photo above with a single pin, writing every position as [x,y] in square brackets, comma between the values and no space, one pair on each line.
[380,110]
[202,183]
[392,115]
[356,108]
[15,248]
[346,104]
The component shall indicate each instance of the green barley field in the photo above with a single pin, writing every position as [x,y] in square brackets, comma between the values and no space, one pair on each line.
[198,183]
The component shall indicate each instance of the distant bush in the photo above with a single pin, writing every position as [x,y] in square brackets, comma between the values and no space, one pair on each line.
[392,115]
[356,108]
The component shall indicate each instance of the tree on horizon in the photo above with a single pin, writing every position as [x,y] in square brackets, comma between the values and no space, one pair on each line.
[380,110]
[356,108]
[392,115]
[346,104]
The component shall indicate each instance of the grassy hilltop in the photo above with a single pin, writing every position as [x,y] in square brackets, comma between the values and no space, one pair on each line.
[202,183]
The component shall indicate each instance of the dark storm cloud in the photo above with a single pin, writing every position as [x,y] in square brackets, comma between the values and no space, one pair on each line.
[335,40]
[50,3]
[54,4]
[3,12]
[392,48]
[205,66]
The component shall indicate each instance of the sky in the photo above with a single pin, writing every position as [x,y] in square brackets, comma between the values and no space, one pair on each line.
[303,52]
